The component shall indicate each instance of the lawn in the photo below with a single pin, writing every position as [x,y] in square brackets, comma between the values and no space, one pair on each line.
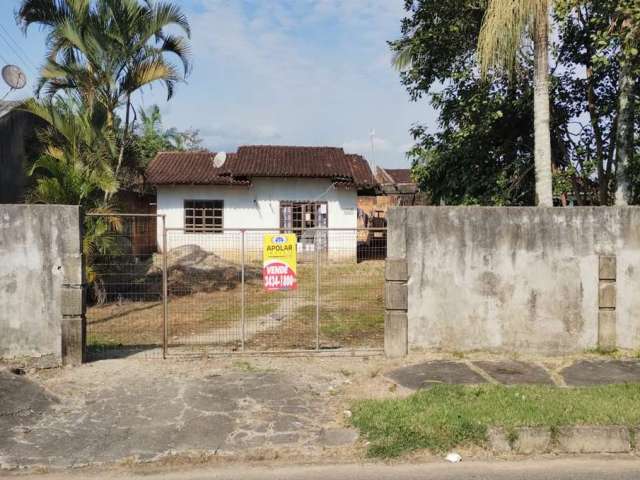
[351,313]
[447,416]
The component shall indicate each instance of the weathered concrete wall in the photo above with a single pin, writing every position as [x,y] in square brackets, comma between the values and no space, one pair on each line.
[39,260]
[519,279]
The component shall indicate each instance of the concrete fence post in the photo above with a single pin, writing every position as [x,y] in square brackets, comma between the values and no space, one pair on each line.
[607,303]
[73,301]
[396,305]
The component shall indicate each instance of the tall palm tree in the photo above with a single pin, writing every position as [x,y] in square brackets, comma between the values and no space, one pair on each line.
[75,168]
[501,39]
[109,49]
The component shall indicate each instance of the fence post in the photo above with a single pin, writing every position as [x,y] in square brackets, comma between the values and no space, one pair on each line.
[165,299]
[317,251]
[242,292]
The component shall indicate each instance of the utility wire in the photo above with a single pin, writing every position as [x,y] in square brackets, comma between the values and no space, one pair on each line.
[17,49]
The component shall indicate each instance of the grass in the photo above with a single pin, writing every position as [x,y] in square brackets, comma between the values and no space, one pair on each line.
[447,416]
[352,312]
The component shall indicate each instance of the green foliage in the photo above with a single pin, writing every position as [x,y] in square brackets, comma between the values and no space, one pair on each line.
[482,149]
[107,49]
[150,137]
[483,153]
[447,416]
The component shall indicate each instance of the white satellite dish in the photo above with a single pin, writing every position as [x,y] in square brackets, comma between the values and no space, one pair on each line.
[219,159]
[14,77]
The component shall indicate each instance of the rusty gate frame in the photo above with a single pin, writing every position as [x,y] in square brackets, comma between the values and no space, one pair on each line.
[243,231]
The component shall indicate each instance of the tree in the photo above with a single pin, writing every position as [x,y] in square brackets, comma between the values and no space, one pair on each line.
[108,50]
[482,152]
[437,59]
[75,168]
[501,38]
[150,137]
[627,28]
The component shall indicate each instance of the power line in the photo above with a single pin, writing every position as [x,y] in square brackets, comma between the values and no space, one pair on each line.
[16,48]
[4,60]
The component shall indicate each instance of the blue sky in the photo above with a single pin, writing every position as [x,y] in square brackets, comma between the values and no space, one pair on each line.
[294,72]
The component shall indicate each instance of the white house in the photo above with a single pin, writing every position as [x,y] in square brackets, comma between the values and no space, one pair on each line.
[208,199]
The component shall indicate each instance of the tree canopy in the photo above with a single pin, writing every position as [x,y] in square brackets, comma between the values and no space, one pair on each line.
[481,150]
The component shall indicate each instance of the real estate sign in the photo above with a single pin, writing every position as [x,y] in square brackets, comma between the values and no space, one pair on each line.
[279,264]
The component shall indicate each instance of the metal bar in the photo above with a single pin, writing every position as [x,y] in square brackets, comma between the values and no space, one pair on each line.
[317,249]
[242,291]
[124,215]
[165,299]
[277,229]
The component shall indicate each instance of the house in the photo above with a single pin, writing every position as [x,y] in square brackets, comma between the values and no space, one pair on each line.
[207,198]
[18,141]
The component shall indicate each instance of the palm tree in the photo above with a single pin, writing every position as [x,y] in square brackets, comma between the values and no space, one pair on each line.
[501,38]
[108,50]
[75,169]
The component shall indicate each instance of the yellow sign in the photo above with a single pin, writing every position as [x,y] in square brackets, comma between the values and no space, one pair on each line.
[279,262]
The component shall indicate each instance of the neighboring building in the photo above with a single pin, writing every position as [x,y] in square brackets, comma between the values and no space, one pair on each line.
[17,139]
[282,188]
[395,188]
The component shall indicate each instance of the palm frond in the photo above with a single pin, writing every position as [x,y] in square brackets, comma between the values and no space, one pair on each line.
[504,27]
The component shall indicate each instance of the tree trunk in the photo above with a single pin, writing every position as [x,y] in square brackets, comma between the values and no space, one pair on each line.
[542,117]
[124,141]
[624,135]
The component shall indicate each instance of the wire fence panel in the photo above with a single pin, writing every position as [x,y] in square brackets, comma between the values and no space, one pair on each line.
[182,292]
[351,295]
[279,320]
[124,278]
[204,273]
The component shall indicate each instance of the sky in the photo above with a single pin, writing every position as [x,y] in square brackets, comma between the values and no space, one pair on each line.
[282,72]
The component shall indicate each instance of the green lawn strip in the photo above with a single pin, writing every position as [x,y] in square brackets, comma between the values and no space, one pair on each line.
[447,416]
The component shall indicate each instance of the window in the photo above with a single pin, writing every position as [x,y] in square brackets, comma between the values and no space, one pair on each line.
[203,216]
[298,216]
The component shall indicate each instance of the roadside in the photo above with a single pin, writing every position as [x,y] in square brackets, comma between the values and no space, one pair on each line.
[295,408]
[611,468]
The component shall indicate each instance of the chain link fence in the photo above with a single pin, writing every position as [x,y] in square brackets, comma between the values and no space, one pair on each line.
[203,293]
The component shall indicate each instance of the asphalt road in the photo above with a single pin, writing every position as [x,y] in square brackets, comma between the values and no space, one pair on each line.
[557,469]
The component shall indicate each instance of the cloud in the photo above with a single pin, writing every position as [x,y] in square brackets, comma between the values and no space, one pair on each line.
[230,134]
[304,72]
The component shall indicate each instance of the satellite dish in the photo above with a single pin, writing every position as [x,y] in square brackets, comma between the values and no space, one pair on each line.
[219,159]
[14,77]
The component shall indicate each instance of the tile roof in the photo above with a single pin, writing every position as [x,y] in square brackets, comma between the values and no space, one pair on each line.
[360,171]
[260,161]
[189,168]
[285,161]
[400,175]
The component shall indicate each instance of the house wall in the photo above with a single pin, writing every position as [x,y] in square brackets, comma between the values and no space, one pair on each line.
[17,138]
[256,207]
[537,280]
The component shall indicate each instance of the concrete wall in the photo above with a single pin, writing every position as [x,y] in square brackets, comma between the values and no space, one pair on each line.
[40,280]
[539,280]
[257,206]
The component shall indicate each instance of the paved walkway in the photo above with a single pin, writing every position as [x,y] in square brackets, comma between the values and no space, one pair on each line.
[509,372]
[143,413]
[112,411]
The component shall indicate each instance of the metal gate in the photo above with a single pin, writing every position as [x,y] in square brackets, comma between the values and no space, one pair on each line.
[158,292]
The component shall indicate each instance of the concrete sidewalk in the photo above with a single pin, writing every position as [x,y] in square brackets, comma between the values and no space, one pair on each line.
[511,372]
[117,411]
